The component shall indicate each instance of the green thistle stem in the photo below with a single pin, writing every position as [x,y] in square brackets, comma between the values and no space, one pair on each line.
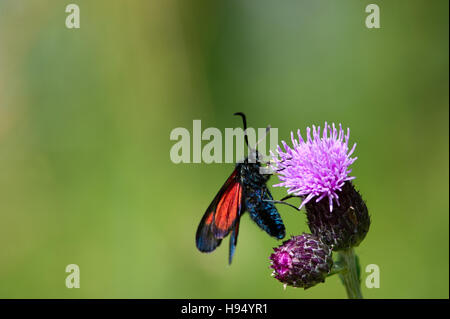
[350,276]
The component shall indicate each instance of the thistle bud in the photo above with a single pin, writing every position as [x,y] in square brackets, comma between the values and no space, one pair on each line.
[302,261]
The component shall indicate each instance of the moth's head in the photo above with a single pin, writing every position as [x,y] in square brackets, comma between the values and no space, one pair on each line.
[254,156]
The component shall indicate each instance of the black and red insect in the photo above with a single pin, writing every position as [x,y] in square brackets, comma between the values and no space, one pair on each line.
[244,191]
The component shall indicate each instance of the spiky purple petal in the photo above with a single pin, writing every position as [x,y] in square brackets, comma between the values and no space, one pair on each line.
[315,168]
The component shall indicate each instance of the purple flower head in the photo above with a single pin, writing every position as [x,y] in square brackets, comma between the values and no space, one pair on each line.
[302,261]
[317,167]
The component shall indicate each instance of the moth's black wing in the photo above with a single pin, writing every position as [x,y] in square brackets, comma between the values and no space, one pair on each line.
[233,241]
[205,240]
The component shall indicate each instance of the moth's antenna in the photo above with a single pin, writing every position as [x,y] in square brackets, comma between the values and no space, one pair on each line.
[267,131]
[244,119]
[265,134]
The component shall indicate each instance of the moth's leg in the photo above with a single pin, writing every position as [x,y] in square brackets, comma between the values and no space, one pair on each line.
[289,196]
[281,202]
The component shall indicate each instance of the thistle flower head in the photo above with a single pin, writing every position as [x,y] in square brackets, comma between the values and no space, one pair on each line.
[317,167]
[302,261]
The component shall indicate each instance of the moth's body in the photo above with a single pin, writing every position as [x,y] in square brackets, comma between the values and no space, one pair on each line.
[257,196]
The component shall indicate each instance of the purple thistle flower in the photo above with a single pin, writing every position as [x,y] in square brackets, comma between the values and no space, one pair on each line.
[302,261]
[318,167]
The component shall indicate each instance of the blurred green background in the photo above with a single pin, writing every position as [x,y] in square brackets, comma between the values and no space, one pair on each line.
[85,118]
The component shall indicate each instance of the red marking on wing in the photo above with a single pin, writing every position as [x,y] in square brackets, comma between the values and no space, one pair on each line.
[209,219]
[223,211]
[228,208]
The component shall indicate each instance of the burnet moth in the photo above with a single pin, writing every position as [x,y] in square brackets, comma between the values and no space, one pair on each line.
[244,191]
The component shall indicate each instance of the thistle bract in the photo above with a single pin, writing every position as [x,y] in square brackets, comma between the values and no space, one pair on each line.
[302,261]
[346,226]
